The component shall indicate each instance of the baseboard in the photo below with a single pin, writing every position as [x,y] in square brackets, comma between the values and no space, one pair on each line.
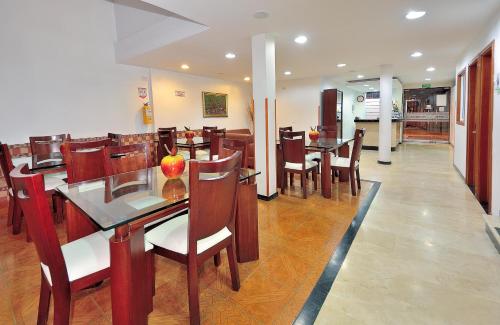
[267,198]
[376,148]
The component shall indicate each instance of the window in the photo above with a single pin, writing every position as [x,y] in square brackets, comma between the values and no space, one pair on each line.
[461,90]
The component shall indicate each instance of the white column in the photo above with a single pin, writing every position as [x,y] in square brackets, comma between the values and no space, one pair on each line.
[385,120]
[264,101]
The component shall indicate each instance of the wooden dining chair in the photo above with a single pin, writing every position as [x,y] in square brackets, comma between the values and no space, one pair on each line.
[15,216]
[284,129]
[116,139]
[294,161]
[350,164]
[206,129]
[208,228]
[128,158]
[40,145]
[69,268]
[215,138]
[84,160]
[168,137]
[227,147]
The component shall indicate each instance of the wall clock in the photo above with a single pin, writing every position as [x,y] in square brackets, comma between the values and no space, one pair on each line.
[360,98]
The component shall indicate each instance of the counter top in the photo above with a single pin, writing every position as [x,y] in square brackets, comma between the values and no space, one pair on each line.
[376,120]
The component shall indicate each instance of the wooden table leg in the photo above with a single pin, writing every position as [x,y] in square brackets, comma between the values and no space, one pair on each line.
[326,175]
[78,225]
[344,152]
[192,152]
[128,277]
[247,227]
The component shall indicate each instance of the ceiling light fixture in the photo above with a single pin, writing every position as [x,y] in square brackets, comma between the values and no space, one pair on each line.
[341,65]
[414,14]
[287,73]
[366,85]
[247,79]
[360,76]
[301,39]
[428,79]
[371,88]
[430,69]
[184,67]
[230,55]
[261,15]
[416,54]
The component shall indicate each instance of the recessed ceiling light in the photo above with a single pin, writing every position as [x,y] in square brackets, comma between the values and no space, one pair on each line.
[184,67]
[287,73]
[301,39]
[428,79]
[230,55]
[341,65]
[371,88]
[261,15]
[360,76]
[430,69]
[414,14]
[366,85]
[416,54]
[247,79]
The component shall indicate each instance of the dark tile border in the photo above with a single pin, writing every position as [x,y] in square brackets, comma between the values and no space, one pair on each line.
[312,306]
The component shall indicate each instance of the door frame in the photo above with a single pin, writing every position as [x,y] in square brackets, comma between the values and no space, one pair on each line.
[472,90]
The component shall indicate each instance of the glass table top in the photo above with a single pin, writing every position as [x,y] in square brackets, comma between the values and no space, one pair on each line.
[196,141]
[325,143]
[38,162]
[117,200]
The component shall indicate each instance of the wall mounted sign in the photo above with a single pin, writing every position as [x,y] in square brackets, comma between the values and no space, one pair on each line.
[180,93]
[143,92]
[214,104]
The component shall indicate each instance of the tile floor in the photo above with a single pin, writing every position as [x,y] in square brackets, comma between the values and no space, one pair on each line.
[422,255]
[297,238]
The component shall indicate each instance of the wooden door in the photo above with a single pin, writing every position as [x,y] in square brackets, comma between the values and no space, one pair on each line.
[472,90]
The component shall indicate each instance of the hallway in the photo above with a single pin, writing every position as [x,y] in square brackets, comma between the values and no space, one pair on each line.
[422,255]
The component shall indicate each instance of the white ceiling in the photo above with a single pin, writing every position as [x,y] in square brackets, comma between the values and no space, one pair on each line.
[364,34]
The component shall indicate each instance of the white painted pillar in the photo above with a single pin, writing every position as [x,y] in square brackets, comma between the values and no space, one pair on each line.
[264,101]
[385,119]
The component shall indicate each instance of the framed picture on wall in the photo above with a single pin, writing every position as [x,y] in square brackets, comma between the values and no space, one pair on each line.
[214,104]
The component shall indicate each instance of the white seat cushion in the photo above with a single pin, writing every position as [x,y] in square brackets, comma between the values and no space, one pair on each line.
[185,154]
[215,157]
[83,257]
[341,162]
[60,175]
[313,155]
[11,193]
[109,233]
[309,164]
[52,182]
[173,236]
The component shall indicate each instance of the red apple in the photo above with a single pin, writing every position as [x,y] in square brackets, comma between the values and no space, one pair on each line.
[173,165]
[189,134]
[314,135]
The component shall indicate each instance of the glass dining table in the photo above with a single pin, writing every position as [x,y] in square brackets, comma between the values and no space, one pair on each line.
[127,203]
[324,146]
[193,144]
[42,162]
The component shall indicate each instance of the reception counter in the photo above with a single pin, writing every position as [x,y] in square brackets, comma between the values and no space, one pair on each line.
[370,142]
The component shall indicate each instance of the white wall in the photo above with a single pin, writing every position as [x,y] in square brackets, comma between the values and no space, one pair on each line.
[58,71]
[297,103]
[171,110]
[492,33]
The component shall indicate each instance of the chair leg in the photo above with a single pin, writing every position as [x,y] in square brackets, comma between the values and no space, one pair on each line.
[58,207]
[233,267]
[150,280]
[217,260]
[358,179]
[353,181]
[194,299]
[291,179]
[304,187]
[44,302]
[303,180]
[17,219]
[10,216]
[315,179]
[283,182]
[62,306]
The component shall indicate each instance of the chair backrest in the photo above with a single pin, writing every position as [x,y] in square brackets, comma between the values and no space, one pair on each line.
[85,160]
[128,158]
[168,137]
[215,137]
[206,131]
[115,139]
[46,144]
[173,128]
[213,193]
[358,145]
[29,191]
[293,147]
[6,163]
[227,147]
[284,129]
[327,131]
